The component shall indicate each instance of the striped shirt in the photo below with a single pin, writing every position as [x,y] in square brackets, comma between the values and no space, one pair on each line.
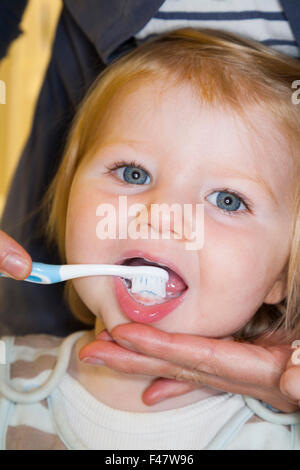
[42,407]
[261,20]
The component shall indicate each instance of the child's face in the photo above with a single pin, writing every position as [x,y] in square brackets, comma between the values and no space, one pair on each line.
[194,155]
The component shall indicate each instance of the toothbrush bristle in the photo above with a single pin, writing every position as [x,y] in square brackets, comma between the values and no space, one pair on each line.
[154,285]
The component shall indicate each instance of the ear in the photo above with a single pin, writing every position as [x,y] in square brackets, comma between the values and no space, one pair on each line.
[278,291]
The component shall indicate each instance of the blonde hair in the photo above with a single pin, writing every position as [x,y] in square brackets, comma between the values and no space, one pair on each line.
[226,70]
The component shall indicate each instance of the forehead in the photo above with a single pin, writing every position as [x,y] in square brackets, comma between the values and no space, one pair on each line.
[158,109]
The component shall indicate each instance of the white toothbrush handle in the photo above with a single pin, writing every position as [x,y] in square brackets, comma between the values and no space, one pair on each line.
[71,271]
[141,276]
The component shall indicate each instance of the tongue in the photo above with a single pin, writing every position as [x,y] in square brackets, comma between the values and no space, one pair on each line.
[175,283]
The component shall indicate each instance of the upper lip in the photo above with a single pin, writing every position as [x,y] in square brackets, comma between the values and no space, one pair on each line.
[153,259]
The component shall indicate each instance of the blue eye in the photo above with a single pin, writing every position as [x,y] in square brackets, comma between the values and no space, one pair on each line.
[227,201]
[131,174]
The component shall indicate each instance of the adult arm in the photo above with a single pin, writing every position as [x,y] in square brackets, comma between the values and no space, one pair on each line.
[11,13]
[73,66]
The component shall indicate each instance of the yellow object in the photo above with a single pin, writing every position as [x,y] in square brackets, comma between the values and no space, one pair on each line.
[21,76]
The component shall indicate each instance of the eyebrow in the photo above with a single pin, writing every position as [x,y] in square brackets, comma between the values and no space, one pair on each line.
[232,173]
[116,141]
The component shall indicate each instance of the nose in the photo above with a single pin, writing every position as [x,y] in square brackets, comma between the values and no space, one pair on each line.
[166,218]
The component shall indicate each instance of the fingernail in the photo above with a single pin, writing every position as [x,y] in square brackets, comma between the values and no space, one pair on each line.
[15,265]
[93,360]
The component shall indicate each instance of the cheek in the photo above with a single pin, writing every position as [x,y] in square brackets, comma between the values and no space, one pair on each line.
[83,246]
[80,232]
[236,252]
[237,268]
[82,243]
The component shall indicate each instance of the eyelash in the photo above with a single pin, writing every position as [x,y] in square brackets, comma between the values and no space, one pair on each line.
[122,163]
[245,201]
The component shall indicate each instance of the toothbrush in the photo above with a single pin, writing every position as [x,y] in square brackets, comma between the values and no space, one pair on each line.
[149,279]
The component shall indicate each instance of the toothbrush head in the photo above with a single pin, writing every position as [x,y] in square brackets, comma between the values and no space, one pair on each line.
[151,280]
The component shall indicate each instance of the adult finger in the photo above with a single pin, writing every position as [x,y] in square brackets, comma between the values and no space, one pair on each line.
[290,379]
[123,360]
[129,362]
[14,260]
[118,358]
[162,389]
[248,363]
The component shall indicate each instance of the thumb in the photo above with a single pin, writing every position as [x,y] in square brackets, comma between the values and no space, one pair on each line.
[162,389]
[290,379]
[290,383]
[14,260]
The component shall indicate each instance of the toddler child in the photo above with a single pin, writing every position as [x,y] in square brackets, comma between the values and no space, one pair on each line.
[192,117]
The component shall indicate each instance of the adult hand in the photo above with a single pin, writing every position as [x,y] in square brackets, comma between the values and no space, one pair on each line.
[183,362]
[14,260]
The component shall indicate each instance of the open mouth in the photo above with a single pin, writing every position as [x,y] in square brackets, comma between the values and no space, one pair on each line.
[148,308]
[174,287]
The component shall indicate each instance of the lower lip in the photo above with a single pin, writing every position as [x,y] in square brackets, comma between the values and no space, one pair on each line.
[143,313]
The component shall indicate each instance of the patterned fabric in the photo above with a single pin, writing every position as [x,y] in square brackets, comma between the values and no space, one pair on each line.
[262,21]
[43,408]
